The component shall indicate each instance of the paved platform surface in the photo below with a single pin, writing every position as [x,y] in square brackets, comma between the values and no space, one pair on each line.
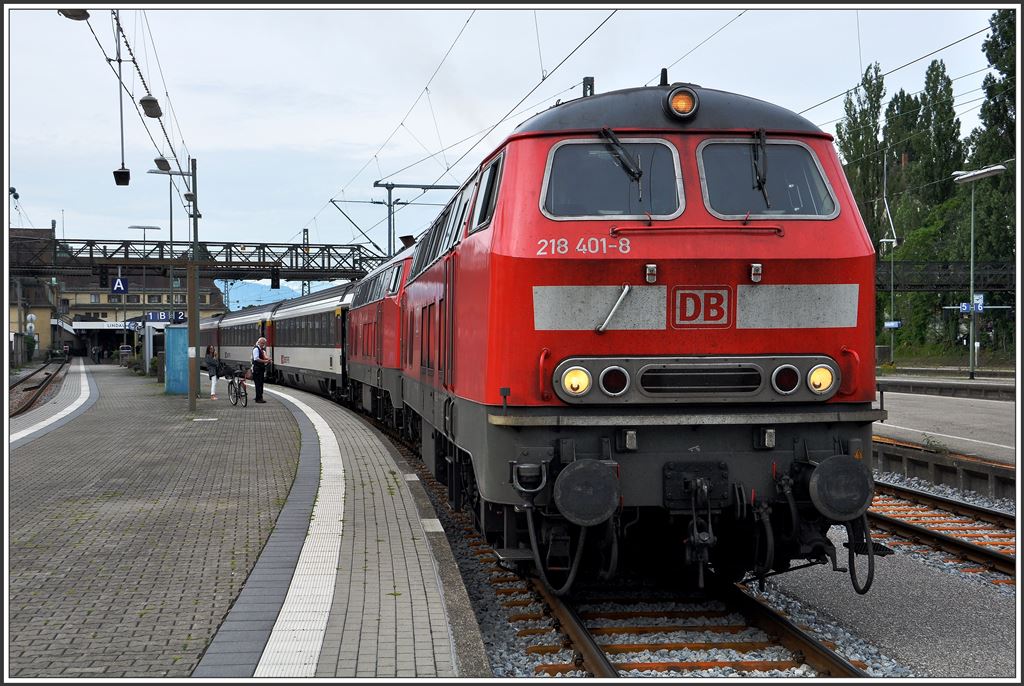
[984,429]
[152,545]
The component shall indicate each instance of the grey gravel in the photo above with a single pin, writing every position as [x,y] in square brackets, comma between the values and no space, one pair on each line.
[826,629]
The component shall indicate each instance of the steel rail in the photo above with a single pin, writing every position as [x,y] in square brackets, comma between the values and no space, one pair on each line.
[826,662]
[1001,519]
[30,375]
[1000,562]
[39,391]
[594,659]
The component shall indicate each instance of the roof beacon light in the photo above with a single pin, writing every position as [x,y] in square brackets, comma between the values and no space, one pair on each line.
[682,102]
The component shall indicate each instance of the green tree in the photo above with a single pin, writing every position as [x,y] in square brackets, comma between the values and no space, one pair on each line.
[939,147]
[995,142]
[898,138]
[857,138]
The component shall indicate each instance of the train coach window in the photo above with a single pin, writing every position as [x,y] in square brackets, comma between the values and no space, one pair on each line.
[777,179]
[587,179]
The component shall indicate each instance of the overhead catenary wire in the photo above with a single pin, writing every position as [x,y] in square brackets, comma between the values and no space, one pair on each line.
[963,76]
[437,128]
[525,109]
[892,71]
[540,57]
[170,106]
[720,29]
[895,117]
[142,118]
[924,185]
[145,85]
[514,107]
[921,133]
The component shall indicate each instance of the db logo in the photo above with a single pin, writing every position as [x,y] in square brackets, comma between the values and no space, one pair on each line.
[704,307]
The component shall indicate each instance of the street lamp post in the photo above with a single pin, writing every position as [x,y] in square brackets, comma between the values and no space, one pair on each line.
[961,177]
[145,298]
[892,297]
[193,277]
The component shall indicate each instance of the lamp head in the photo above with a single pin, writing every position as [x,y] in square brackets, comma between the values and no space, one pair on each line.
[74,15]
[122,176]
[151,106]
[162,164]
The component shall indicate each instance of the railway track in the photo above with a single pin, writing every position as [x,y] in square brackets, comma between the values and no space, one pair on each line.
[22,395]
[726,630]
[981,535]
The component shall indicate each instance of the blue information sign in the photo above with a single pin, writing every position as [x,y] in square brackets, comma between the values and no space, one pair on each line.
[165,316]
[119,285]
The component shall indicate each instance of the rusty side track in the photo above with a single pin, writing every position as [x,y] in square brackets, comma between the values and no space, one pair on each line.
[987,537]
[21,397]
[732,615]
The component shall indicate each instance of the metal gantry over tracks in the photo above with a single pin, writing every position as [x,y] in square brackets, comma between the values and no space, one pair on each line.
[233,260]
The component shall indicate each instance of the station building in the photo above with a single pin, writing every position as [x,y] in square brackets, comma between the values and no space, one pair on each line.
[75,310]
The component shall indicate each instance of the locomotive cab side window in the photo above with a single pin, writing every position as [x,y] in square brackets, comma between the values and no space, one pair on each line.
[774,178]
[611,178]
[487,196]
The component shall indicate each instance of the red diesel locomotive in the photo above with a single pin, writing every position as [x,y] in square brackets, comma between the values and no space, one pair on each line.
[648,316]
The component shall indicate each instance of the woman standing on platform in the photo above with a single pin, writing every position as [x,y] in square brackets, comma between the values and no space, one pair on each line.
[213,368]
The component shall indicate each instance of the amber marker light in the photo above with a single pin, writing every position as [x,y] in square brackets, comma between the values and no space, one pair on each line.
[576,381]
[682,102]
[821,379]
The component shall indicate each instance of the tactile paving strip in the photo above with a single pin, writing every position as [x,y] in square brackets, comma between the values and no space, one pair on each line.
[295,642]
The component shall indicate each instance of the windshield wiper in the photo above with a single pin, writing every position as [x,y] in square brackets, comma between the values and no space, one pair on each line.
[628,166]
[759,160]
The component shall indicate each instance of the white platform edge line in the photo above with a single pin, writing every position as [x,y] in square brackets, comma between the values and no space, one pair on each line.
[312,585]
[83,395]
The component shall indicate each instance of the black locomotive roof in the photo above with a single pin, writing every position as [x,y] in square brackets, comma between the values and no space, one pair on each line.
[644,108]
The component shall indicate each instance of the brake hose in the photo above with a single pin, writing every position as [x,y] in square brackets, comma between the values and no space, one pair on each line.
[536,555]
[870,553]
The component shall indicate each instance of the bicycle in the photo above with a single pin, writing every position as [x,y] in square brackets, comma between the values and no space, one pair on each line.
[236,389]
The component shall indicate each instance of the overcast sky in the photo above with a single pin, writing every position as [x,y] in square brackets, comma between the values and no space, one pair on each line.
[285,109]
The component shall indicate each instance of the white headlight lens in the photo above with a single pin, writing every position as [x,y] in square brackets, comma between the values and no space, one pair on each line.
[821,379]
[576,381]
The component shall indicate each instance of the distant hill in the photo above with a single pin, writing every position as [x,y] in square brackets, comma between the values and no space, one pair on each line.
[239,294]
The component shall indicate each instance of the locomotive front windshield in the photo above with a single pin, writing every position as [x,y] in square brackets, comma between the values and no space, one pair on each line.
[763,179]
[601,180]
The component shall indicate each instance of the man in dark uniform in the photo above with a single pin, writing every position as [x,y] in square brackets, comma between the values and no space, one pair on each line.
[260,360]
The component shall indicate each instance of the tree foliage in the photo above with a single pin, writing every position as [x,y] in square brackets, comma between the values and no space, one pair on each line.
[908,158]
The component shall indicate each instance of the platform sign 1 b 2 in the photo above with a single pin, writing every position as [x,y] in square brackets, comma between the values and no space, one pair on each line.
[164,316]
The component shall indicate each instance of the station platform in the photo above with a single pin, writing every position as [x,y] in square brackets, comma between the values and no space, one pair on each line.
[285,539]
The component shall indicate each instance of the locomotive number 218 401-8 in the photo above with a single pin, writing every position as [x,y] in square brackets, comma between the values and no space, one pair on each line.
[594,245]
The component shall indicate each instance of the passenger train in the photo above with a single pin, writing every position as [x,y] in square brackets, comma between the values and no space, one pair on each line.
[645,323]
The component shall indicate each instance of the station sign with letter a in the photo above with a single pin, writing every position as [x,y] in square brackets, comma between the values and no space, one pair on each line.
[119,285]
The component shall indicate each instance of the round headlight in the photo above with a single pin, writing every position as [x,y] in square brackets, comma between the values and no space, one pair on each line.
[785,379]
[576,381]
[821,379]
[614,381]
[682,102]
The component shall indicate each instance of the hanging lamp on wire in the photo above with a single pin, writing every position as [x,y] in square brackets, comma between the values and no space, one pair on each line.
[122,175]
